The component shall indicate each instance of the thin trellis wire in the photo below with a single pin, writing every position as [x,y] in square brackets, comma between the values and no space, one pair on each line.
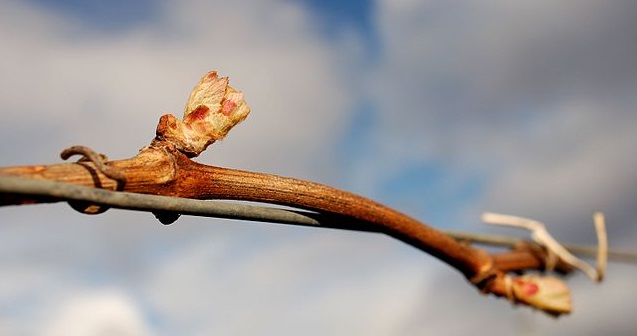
[57,191]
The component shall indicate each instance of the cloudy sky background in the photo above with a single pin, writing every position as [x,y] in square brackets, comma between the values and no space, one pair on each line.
[441,110]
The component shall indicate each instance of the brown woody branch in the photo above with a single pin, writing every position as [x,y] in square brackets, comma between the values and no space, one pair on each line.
[165,168]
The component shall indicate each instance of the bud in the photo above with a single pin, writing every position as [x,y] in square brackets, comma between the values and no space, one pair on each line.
[213,108]
[546,293]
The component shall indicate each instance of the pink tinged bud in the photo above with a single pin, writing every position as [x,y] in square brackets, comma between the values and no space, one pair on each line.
[549,294]
[213,108]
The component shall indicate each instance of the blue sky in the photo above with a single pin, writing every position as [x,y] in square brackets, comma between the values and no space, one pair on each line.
[441,110]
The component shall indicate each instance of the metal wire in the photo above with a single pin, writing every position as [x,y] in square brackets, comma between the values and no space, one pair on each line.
[142,202]
[12,185]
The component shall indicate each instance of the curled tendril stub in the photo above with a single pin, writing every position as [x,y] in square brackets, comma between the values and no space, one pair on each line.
[213,108]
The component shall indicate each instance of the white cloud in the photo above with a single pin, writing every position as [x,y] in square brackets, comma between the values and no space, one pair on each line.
[538,100]
[316,284]
[103,312]
[125,81]
[575,162]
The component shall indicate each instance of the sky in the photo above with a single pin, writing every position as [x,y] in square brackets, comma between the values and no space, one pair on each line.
[441,110]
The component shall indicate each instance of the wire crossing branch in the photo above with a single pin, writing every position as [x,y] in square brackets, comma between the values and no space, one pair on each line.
[165,168]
